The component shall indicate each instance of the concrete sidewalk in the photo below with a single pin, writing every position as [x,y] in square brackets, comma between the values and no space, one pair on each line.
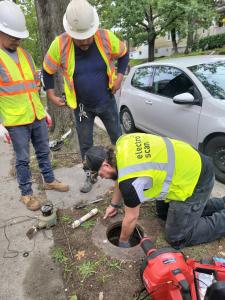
[34,277]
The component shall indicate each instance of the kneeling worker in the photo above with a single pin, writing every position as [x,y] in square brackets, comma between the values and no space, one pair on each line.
[172,172]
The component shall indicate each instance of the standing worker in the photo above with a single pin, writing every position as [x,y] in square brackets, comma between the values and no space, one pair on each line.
[21,111]
[178,177]
[85,55]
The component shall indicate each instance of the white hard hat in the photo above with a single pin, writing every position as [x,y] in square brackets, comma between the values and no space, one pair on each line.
[12,20]
[81,20]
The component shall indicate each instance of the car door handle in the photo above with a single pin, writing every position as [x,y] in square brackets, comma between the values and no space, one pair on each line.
[148,102]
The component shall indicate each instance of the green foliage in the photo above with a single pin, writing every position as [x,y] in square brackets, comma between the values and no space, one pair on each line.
[32,43]
[88,224]
[66,218]
[59,256]
[212,42]
[142,21]
[87,269]
[74,297]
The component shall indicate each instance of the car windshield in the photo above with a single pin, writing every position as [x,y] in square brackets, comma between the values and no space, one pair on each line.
[212,76]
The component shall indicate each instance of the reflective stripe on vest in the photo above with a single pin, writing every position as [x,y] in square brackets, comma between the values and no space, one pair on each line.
[19,98]
[18,88]
[168,167]
[61,56]
[4,72]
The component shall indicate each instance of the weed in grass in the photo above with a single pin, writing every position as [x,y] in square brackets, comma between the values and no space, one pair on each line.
[58,255]
[115,264]
[88,224]
[87,269]
[54,163]
[66,219]
[67,269]
[104,278]
[74,297]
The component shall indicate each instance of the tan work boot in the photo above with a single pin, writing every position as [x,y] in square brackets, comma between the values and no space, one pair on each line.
[56,185]
[31,202]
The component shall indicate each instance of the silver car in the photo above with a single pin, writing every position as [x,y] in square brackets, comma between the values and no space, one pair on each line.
[182,98]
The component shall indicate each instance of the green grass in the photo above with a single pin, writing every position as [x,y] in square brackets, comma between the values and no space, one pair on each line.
[115,264]
[87,269]
[67,219]
[88,224]
[59,256]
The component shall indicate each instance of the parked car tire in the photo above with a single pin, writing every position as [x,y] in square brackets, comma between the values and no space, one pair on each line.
[215,148]
[127,120]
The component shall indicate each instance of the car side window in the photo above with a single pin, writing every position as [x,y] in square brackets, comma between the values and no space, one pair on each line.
[143,78]
[170,81]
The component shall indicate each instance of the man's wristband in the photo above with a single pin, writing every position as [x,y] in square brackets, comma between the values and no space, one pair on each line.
[115,205]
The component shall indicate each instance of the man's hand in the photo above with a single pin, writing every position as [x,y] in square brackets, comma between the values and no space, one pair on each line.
[110,212]
[117,83]
[48,120]
[55,99]
[5,134]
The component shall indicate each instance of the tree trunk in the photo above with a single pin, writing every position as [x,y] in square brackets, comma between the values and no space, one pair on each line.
[174,41]
[190,36]
[151,48]
[50,16]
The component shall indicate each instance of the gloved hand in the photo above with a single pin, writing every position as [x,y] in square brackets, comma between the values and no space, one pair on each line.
[48,120]
[5,134]
[124,244]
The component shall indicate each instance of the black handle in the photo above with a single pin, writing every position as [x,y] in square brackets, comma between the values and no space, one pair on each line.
[147,245]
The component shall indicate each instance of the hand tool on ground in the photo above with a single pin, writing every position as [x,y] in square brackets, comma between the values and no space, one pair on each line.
[168,275]
[47,219]
[82,204]
[77,223]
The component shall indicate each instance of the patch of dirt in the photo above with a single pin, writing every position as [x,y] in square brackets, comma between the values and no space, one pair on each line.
[89,273]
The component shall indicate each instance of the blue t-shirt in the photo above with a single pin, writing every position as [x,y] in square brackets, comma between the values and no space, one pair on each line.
[90,77]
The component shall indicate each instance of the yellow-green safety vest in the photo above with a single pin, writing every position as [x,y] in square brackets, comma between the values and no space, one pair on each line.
[174,166]
[20,103]
[61,56]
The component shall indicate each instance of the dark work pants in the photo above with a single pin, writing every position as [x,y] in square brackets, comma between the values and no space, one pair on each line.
[21,136]
[109,117]
[197,220]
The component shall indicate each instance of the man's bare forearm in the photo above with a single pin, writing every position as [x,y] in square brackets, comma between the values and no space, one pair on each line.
[129,222]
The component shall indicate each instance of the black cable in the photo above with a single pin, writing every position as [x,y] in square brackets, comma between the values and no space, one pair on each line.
[15,253]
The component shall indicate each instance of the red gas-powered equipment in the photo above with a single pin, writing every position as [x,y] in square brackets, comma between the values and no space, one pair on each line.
[168,275]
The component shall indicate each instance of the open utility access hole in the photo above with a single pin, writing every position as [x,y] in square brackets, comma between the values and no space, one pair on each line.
[113,234]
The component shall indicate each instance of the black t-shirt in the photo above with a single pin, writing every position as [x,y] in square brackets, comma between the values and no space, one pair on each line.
[130,193]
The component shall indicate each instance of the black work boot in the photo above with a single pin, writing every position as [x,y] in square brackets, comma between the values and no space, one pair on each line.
[89,181]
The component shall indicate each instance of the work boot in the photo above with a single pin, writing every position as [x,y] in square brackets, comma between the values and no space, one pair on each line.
[31,202]
[89,181]
[56,185]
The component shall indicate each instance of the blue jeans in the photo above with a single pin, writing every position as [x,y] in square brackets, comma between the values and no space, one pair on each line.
[109,116]
[199,219]
[37,132]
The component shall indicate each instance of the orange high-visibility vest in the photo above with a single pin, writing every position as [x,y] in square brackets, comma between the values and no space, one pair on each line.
[20,103]
[61,56]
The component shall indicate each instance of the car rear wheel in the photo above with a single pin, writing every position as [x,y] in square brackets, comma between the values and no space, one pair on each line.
[127,120]
[216,149]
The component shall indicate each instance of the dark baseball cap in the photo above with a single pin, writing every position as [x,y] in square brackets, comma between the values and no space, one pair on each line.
[94,157]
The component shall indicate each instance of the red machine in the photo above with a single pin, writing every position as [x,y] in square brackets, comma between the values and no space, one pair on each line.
[167,275]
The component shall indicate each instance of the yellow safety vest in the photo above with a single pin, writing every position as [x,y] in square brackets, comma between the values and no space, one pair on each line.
[61,56]
[173,165]
[20,103]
